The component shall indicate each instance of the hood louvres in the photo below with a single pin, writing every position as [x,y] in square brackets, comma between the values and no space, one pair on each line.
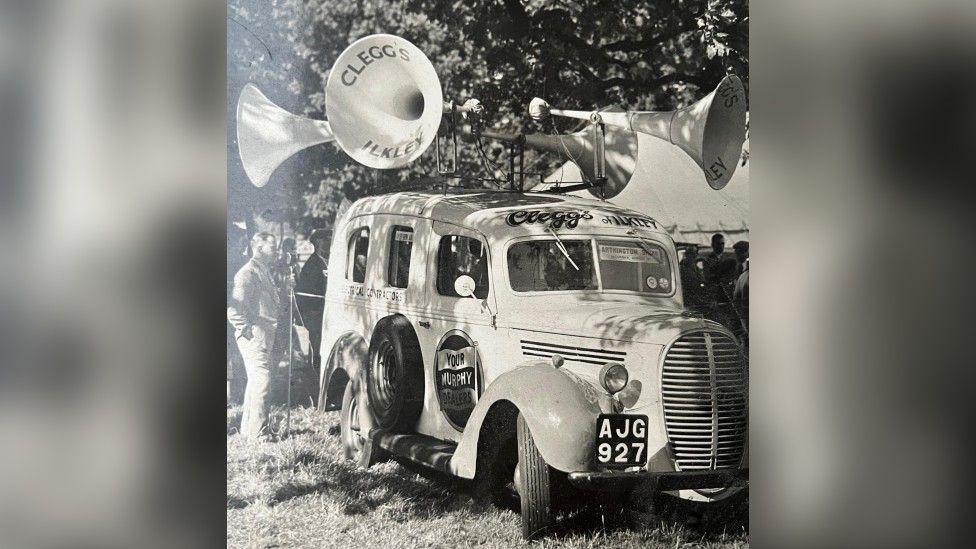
[705,390]
[575,354]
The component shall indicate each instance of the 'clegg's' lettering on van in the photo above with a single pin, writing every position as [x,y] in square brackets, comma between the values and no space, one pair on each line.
[555,219]
[571,219]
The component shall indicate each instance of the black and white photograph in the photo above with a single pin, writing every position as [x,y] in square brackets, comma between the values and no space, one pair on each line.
[683,274]
[488,273]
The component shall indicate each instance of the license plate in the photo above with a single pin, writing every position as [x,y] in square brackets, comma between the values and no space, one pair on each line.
[621,440]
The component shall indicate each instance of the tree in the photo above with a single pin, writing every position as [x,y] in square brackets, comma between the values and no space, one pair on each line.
[577,54]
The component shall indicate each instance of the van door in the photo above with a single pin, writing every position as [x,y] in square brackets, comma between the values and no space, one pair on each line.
[402,241]
[457,322]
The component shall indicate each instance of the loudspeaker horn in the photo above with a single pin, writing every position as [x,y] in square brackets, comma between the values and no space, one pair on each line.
[711,132]
[619,154]
[268,134]
[383,103]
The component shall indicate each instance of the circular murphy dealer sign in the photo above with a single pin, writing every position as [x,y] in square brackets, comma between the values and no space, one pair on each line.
[457,377]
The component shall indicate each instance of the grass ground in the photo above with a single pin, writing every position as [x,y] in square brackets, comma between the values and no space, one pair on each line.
[300,492]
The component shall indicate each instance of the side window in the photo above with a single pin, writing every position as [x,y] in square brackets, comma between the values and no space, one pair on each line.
[401,244]
[460,255]
[358,251]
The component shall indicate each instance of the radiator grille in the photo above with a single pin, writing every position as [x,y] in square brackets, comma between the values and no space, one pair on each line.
[705,390]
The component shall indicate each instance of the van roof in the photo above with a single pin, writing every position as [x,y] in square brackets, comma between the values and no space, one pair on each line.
[487,209]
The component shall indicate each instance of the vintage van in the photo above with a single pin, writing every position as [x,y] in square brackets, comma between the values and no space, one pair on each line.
[532,342]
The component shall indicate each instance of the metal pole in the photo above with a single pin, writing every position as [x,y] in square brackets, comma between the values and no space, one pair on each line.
[521,162]
[511,164]
[291,355]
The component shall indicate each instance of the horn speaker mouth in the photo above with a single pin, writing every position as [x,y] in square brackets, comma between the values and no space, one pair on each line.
[407,104]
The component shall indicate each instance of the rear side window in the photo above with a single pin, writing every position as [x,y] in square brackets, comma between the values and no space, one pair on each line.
[401,244]
[460,255]
[358,251]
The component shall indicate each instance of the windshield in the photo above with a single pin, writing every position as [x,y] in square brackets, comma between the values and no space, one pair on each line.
[629,265]
[540,265]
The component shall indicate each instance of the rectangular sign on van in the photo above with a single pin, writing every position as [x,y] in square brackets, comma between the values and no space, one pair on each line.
[628,254]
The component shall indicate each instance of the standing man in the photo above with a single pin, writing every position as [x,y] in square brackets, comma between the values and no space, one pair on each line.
[303,247]
[719,276]
[741,249]
[253,311]
[719,271]
[692,280]
[740,293]
[311,289]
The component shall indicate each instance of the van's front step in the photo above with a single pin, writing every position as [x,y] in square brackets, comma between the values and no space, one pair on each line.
[425,450]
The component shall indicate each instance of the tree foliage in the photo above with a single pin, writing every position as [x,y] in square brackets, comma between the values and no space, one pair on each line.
[576,54]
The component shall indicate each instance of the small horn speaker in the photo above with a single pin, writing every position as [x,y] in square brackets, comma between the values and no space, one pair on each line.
[711,131]
[267,134]
[620,153]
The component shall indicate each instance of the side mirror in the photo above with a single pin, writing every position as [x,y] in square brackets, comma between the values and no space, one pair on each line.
[464,286]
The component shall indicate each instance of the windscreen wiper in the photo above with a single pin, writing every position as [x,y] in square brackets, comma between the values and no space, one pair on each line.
[562,248]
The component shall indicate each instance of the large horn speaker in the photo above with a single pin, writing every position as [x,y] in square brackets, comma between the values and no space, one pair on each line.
[711,131]
[383,102]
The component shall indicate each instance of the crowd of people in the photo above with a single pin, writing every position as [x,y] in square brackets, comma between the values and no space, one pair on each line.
[717,285]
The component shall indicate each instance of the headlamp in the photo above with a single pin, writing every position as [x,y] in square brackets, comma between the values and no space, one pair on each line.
[614,377]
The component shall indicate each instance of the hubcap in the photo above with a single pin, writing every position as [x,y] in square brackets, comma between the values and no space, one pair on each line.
[384,371]
[354,438]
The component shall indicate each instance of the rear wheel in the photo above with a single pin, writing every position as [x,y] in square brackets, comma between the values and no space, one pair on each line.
[533,479]
[350,432]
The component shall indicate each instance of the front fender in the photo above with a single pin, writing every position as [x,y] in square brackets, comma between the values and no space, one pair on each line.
[559,408]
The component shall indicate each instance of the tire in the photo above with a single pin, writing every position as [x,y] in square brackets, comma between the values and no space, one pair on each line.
[498,481]
[395,376]
[356,445]
[352,439]
[534,486]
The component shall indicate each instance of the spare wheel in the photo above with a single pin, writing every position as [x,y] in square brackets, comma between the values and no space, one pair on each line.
[395,375]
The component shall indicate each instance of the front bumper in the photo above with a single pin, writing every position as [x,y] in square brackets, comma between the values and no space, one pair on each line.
[664,480]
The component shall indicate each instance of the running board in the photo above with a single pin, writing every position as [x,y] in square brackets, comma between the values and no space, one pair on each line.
[425,450]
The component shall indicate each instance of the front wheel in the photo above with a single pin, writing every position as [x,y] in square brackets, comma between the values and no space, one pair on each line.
[534,483]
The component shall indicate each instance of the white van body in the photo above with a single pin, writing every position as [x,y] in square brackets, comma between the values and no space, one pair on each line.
[536,341]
